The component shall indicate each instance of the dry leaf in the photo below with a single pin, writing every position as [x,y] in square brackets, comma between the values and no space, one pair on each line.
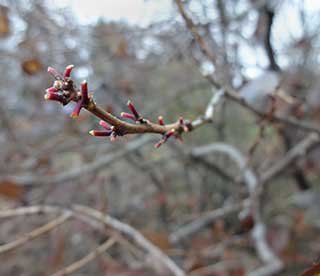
[159,239]
[31,66]
[4,22]
[11,189]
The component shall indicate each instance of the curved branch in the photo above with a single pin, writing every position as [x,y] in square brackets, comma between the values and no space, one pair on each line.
[91,217]
[35,233]
[272,263]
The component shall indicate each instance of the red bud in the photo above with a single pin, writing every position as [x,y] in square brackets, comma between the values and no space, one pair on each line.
[67,71]
[128,116]
[133,110]
[105,125]
[100,133]
[160,120]
[54,73]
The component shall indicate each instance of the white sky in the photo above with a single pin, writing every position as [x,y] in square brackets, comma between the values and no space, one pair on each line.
[144,12]
[139,12]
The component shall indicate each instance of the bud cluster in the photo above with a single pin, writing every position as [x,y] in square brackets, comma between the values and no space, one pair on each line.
[64,91]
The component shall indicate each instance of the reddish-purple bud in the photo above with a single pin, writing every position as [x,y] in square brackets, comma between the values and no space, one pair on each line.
[170,133]
[76,111]
[100,133]
[159,144]
[51,90]
[54,73]
[67,71]
[166,136]
[128,116]
[53,97]
[105,125]
[84,90]
[113,136]
[181,121]
[133,110]
[160,120]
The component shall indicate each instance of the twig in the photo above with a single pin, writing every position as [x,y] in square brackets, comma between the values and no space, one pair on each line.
[91,217]
[85,169]
[132,234]
[85,260]
[214,167]
[300,149]
[107,159]
[201,222]
[64,91]
[193,28]
[272,263]
[230,93]
[35,233]
[267,38]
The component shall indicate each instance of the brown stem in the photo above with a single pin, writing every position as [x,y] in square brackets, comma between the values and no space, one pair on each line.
[128,128]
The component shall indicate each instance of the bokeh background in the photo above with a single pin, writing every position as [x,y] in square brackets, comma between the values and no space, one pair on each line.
[142,50]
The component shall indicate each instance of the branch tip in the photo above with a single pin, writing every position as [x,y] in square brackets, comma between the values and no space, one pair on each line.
[67,71]
[160,120]
[133,110]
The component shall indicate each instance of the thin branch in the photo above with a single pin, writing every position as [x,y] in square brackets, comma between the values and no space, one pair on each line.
[85,260]
[299,150]
[64,91]
[91,216]
[267,39]
[272,263]
[35,233]
[230,93]
[86,169]
[193,28]
[195,226]
[132,234]
[215,168]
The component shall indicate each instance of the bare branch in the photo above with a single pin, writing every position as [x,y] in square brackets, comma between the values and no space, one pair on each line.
[272,263]
[35,233]
[201,222]
[91,216]
[230,93]
[132,234]
[299,150]
[85,260]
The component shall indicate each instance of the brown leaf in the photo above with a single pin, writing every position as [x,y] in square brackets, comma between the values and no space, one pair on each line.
[4,22]
[31,66]
[11,189]
[159,239]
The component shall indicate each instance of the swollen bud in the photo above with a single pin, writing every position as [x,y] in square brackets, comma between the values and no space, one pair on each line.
[54,72]
[133,110]
[67,71]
